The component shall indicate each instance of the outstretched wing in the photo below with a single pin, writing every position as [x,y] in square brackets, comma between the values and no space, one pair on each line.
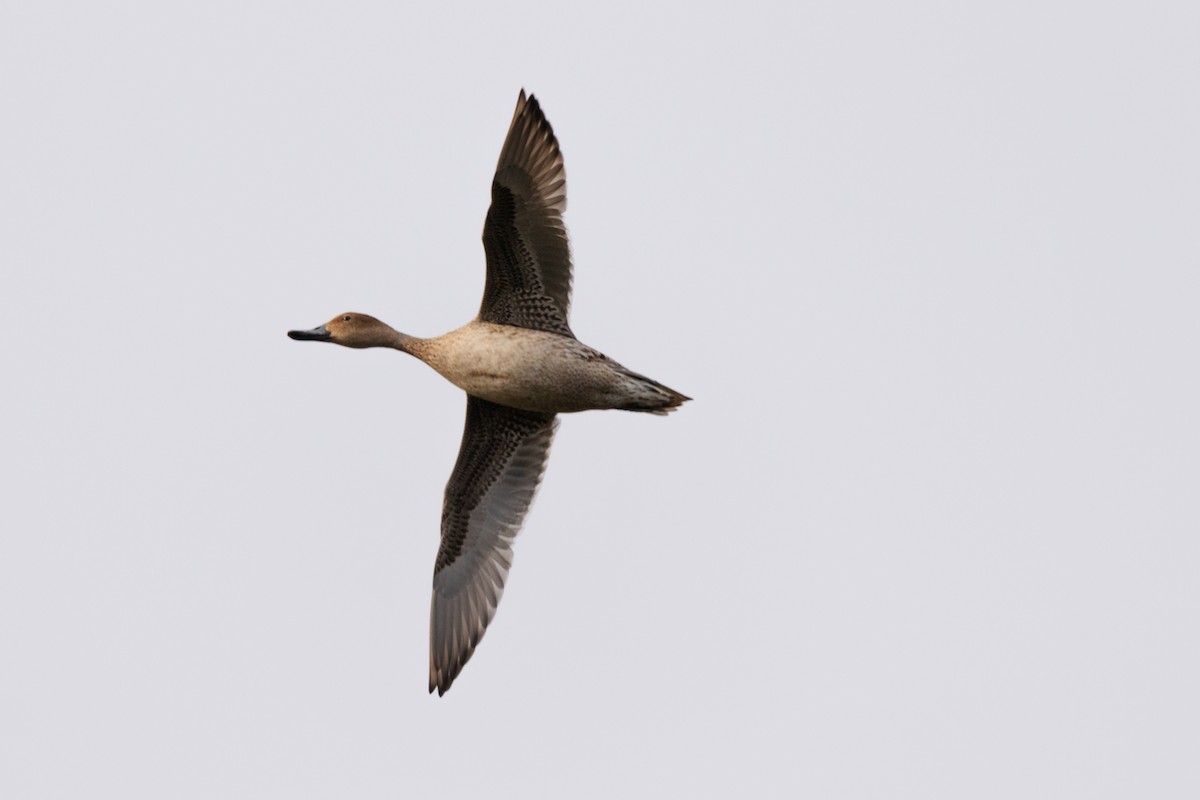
[500,464]
[528,255]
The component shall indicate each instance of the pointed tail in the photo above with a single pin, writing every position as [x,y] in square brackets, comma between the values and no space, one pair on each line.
[651,397]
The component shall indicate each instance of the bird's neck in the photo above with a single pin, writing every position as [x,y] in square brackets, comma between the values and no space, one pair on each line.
[396,340]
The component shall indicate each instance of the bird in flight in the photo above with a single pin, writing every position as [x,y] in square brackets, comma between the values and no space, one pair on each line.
[520,365]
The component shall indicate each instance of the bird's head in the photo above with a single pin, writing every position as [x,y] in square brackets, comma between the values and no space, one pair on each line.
[350,330]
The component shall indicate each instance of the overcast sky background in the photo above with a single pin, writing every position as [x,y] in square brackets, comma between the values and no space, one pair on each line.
[929,529]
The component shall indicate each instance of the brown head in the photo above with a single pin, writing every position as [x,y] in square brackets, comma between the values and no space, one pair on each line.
[352,330]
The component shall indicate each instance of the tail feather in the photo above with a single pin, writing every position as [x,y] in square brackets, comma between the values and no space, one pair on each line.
[651,397]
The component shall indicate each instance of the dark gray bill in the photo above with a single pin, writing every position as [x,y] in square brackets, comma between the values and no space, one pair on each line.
[318,334]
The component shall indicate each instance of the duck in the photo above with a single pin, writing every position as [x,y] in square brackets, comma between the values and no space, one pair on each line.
[521,366]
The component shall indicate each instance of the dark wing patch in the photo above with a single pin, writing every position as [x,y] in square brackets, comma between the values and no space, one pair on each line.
[528,254]
[499,467]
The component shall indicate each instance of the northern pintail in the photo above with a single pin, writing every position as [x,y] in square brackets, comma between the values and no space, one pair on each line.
[520,365]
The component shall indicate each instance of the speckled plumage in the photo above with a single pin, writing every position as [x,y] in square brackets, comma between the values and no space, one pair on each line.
[520,365]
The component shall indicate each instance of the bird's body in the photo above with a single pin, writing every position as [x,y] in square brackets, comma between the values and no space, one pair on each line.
[520,365]
[537,370]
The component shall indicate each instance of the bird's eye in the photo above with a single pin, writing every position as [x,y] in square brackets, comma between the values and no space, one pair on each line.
[346,318]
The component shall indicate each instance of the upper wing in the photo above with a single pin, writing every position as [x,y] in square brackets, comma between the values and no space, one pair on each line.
[528,256]
[499,466]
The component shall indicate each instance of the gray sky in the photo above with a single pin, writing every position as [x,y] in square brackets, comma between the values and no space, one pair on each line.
[929,529]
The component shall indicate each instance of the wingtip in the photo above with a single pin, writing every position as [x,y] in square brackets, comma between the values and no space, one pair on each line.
[436,684]
[525,99]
